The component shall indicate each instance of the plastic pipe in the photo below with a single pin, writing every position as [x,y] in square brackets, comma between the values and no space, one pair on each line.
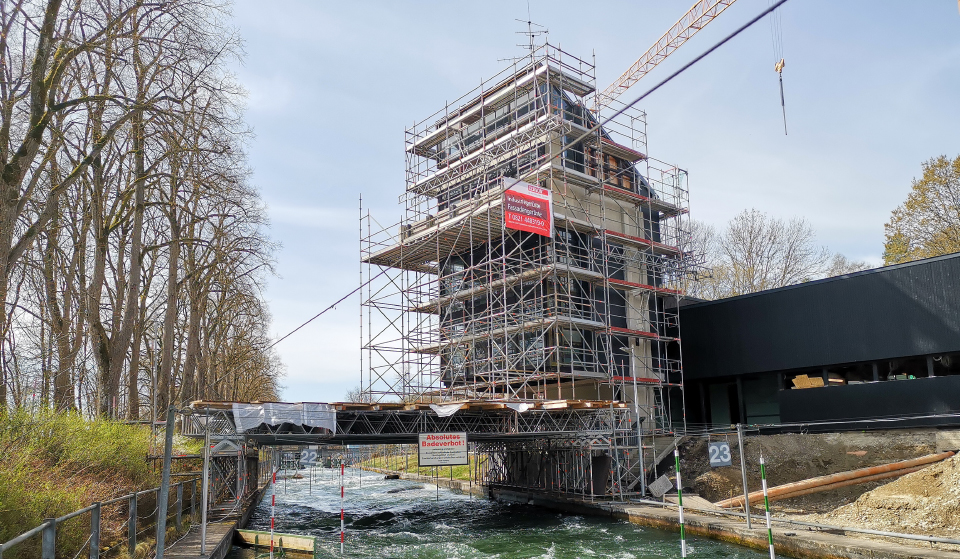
[794,487]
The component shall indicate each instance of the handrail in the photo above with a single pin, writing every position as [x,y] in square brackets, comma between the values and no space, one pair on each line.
[4,546]
[66,517]
[24,536]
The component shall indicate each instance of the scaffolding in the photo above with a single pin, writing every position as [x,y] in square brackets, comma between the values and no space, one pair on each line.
[459,304]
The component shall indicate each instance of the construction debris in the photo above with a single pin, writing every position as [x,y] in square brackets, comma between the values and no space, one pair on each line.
[841,479]
[925,502]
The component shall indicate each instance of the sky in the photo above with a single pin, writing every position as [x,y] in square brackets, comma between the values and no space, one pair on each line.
[872,90]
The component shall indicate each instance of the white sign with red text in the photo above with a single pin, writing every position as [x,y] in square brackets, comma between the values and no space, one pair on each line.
[527,207]
[443,449]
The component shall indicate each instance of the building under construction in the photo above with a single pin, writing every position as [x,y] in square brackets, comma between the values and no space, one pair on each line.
[540,259]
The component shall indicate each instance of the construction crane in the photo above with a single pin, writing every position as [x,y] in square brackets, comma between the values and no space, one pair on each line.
[702,13]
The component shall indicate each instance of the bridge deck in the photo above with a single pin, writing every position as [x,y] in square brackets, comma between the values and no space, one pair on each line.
[219,542]
[489,420]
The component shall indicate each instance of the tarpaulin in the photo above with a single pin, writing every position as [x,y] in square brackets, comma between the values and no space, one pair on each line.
[308,414]
[445,410]
[519,406]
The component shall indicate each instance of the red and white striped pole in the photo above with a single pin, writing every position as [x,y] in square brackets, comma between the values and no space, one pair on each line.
[273,509]
[341,507]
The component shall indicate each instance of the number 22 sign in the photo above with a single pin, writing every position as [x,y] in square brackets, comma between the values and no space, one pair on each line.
[720,454]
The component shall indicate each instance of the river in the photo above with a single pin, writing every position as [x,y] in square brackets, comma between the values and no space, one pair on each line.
[399,518]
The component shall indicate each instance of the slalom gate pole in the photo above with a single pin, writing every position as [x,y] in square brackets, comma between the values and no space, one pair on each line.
[683,532]
[273,509]
[766,505]
[341,507]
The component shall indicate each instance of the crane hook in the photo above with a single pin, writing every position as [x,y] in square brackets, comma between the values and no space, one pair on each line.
[779,68]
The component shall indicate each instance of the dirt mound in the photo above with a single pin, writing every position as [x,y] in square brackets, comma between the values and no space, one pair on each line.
[924,502]
[794,457]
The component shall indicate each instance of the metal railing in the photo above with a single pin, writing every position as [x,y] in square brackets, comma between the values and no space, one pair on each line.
[48,530]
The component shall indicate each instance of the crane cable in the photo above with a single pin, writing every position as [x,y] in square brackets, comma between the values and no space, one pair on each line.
[776,34]
[316,316]
[600,123]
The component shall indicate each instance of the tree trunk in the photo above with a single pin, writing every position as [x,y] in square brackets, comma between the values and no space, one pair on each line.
[166,388]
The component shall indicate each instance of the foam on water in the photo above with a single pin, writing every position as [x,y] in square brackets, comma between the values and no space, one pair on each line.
[384,522]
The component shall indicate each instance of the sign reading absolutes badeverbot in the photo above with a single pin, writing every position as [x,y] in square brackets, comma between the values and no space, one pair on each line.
[443,449]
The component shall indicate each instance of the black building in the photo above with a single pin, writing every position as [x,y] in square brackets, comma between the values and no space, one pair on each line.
[882,343]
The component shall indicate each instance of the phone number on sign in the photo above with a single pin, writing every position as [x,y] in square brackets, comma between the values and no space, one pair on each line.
[528,220]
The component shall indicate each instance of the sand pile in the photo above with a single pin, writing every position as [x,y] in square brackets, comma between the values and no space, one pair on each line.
[924,502]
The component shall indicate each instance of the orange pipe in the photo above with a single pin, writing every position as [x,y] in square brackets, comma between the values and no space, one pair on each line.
[838,485]
[796,486]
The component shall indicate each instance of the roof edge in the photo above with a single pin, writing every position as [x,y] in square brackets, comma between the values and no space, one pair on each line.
[881,269]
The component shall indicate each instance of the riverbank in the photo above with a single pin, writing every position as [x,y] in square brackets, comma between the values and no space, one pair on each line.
[791,542]
[52,464]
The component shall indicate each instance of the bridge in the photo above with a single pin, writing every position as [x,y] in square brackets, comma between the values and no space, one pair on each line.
[566,447]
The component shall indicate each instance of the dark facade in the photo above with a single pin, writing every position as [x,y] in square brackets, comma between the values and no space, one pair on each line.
[872,337]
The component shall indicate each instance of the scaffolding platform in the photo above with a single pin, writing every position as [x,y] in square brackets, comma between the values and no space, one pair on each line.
[464,301]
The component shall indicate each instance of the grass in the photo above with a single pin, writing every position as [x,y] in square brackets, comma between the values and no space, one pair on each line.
[410,464]
[52,464]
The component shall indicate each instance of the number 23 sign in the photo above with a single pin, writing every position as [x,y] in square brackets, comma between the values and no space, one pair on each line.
[720,454]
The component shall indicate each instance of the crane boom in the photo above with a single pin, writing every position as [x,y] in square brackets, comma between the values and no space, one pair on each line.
[702,13]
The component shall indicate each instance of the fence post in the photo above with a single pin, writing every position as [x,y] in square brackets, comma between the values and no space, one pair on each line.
[132,525]
[193,499]
[48,547]
[743,472]
[95,532]
[179,506]
[163,498]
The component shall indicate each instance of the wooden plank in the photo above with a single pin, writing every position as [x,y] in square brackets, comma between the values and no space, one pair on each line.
[219,539]
[554,404]
[288,542]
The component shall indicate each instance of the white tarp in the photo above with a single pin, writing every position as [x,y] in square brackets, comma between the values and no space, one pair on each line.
[308,414]
[519,407]
[445,410]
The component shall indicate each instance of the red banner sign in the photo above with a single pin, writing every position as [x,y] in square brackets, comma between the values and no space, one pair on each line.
[528,208]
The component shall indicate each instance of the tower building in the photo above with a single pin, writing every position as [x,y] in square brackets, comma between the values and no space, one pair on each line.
[540,256]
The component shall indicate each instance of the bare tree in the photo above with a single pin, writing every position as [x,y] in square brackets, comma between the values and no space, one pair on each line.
[757,252]
[356,394]
[840,265]
[132,250]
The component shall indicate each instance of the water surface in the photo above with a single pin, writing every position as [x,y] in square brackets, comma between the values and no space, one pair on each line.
[401,519]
